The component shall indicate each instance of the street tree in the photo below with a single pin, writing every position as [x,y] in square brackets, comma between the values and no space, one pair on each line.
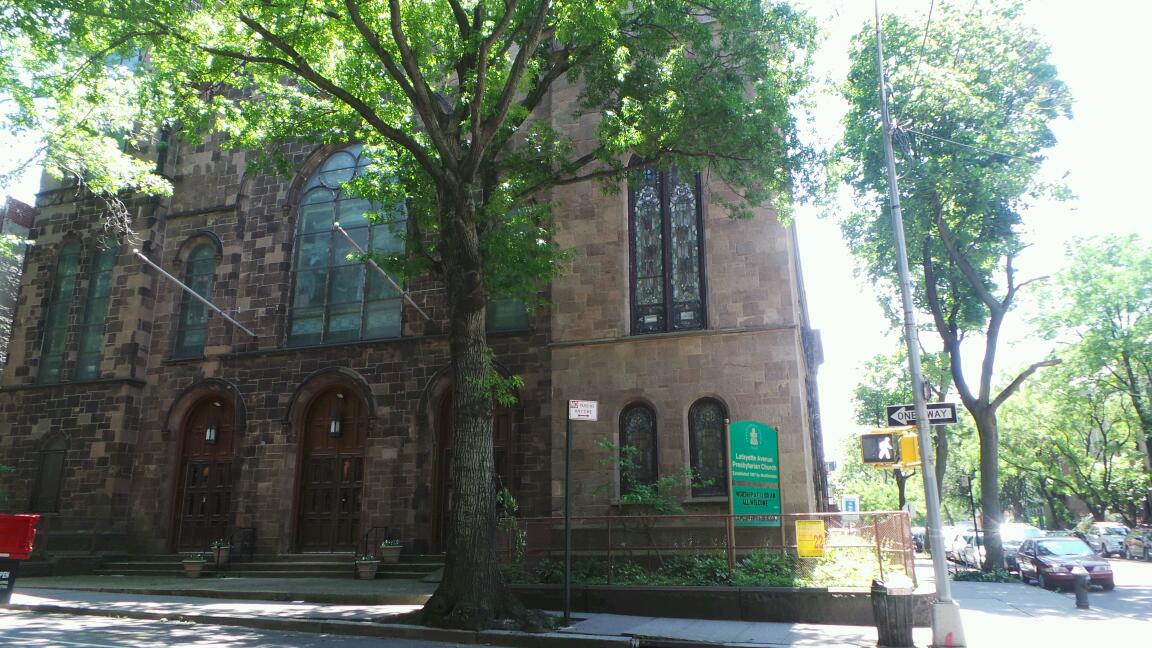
[1072,435]
[972,98]
[1100,309]
[442,94]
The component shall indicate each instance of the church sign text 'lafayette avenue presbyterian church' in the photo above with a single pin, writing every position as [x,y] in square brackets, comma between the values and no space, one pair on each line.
[755,469]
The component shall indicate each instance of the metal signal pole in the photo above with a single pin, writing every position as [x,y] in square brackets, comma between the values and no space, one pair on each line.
[946,627]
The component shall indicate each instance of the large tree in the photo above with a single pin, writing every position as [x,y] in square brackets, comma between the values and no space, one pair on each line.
[1100,309]
[443,94]
[972,99]
[1070,434]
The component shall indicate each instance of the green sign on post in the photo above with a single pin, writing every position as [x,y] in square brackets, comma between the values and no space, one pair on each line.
[755,468]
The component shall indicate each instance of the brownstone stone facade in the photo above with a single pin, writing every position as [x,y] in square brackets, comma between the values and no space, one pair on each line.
[160,452]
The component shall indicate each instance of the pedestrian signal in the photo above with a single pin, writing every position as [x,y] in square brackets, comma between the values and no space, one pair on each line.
[880,448]
[910,450]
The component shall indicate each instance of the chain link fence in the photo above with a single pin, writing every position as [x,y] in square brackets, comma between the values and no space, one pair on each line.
[711,550]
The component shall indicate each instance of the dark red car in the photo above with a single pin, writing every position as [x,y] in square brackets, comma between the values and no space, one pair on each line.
[1049,562]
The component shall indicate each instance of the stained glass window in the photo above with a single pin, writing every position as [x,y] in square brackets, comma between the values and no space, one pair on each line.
[56,322]
[667,272]
[192,324]
[334,298]
[637,447]
[91,349]
[706,445]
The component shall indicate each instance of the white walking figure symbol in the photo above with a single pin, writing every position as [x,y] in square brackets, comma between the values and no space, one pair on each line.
[885,448]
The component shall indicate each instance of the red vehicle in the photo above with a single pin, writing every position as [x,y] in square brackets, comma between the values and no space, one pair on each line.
[1050,561]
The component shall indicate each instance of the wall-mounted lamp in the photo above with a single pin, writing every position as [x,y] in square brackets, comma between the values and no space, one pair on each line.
[212,432]
[336,423]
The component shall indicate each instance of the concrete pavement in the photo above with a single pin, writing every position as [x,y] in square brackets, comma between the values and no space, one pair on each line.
[994,614]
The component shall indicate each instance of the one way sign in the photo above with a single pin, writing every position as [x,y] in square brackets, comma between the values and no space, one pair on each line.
[938,414]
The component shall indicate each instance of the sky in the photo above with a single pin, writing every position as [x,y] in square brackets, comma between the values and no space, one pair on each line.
[1101,50]
[1098,49]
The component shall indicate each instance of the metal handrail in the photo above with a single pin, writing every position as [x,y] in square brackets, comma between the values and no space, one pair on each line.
[370,547]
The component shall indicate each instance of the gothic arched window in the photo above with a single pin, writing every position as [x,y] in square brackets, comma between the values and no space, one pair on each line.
[334,298]
[56,321]
[706,447]
[667,269]
[91,349]
[637,447]
[192,322]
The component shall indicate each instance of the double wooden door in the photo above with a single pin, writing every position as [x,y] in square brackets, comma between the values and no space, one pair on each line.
[204,499]
[332,474]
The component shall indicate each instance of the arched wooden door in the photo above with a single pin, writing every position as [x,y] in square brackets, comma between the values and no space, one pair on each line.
[332,473]
[204,497]
[502,419]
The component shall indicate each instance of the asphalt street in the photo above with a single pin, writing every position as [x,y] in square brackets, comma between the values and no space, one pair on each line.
[36,630]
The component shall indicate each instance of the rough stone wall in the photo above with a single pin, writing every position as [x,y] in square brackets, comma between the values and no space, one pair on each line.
[124,431]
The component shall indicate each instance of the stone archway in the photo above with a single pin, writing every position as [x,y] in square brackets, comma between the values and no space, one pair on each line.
[502,453]
[207,465]
[332,439]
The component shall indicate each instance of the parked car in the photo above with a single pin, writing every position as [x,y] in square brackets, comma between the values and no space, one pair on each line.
[1138,543]
[1049,561]
[919,539]
[1012,535]
[962,548]
[972,552]
[1106,538]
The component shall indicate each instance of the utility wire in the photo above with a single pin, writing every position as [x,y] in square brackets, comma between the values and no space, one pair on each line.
[923,43]
[1036,159]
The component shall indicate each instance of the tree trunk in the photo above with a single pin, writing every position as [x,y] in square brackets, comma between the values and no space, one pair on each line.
[990,513]
[941,436]
[472,592]
[901,481]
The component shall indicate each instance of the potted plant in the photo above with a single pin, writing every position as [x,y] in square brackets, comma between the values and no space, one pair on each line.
[194,564]
[222,550]
[366,566]
[390,550]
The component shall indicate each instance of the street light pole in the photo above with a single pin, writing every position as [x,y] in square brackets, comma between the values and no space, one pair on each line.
[946,627]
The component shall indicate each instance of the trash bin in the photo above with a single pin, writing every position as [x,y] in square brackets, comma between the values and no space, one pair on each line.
[17,534]
[892,612]
[8,568]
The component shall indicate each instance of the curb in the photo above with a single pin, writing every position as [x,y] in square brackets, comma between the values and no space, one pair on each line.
[356,628]
[247,595]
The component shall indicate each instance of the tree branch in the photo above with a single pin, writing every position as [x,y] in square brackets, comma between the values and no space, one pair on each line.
[299,66]
[1019,380]
[533,38]
[966,269]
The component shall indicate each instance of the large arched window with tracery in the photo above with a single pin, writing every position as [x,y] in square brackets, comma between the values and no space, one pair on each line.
[334,298]
[667,269]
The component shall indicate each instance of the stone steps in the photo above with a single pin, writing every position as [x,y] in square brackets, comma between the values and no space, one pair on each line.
[413,566]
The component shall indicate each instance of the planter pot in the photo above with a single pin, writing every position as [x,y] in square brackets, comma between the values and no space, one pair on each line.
[222,554]
[390,554]
[366,569]
[193,568]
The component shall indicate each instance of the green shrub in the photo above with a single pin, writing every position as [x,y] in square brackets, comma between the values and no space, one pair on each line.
[693,569]
[765,569]
[977,576]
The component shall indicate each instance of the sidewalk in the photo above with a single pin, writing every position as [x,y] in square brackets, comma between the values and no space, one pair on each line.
[994,614]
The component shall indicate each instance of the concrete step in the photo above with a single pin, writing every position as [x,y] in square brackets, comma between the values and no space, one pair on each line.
[413,566]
